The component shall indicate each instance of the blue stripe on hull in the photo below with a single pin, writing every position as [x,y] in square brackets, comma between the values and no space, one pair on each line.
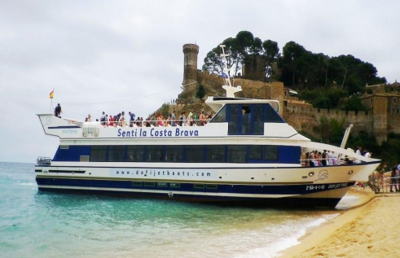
[186,187]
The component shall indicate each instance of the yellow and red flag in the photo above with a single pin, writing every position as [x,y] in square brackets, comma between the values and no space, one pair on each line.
[52,94]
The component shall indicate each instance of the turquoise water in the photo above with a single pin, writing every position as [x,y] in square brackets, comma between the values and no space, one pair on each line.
[41,224]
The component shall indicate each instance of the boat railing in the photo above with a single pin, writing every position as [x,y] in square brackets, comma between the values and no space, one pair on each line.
[155,123]
[318,162]
[43,161]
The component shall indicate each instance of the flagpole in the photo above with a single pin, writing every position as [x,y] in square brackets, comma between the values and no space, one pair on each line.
[51,101]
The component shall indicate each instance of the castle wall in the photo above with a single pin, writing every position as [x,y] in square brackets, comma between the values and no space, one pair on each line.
[380,113]
[303,117]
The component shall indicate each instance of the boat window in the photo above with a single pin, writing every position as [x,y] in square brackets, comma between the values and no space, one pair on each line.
[98,153]
[220,116]
[138,184]
[194,153]
[272,116]
[255,152]
[271,152]
[161,184]
[84,158]
[213,187]
[116,153]
[173,153]
[246,119]
[149,184]
[175,185]
[154,153]
[258,120]
[215,153]
[233,125]
[236,153]
[135,153]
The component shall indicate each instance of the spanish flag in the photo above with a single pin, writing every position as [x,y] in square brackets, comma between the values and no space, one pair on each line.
[52,94]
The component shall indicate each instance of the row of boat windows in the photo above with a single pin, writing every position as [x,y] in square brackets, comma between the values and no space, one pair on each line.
[172,185]
[188,153]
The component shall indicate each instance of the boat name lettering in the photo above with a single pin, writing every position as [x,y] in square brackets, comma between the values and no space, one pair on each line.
[163,173]
[154,132]
[70,131]
[315,187]
[322,187]
[335,186]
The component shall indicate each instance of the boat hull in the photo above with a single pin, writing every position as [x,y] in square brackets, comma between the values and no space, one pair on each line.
[284,195]
[257,184]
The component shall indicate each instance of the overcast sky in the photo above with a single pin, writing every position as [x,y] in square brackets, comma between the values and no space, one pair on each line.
[97,54]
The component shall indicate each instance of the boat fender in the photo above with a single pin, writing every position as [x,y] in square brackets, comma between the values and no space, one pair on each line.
[170,194]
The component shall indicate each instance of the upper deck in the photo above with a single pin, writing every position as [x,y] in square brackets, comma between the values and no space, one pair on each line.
[234,118]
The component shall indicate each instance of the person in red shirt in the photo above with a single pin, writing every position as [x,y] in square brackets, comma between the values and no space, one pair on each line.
[111,120]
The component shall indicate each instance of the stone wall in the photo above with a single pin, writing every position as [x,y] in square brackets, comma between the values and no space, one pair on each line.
[304,117]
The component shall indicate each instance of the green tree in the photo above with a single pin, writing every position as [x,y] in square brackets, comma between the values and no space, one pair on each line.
[354,104]
[271,54]
[201,92]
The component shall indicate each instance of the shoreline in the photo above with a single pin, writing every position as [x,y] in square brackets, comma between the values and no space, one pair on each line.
[356,232]
[348,212]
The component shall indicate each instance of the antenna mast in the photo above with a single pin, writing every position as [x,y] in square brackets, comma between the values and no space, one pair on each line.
[230,90]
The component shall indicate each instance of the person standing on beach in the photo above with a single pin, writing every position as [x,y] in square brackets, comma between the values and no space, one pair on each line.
[393,181]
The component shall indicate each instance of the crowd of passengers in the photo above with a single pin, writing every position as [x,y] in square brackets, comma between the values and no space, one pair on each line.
[327,158]
[154,120]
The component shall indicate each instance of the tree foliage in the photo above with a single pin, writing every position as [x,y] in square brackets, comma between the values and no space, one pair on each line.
[243,46]
[201,92]
[298,67]
[331,131]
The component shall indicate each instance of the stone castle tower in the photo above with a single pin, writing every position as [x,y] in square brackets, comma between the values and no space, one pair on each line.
[190,52]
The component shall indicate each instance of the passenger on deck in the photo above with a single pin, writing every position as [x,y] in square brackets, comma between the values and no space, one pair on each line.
[323,158]
[202,118]
[195,119]
[89,118]
[359,152]
[131,119]
[190,119]
[58,111]
[173,118]
[103,118]
[112,121]
[168,122]
[367,154]
[122,121]
[160,120]
[106,120]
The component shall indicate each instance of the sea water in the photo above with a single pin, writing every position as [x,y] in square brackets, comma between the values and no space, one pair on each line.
[44,224]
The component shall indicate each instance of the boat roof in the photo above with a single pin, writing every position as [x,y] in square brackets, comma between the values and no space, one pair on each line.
[218,102]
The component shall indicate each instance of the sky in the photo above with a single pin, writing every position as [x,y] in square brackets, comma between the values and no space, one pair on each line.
[126,55]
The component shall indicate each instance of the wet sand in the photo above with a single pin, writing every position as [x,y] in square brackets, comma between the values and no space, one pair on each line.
[370,229]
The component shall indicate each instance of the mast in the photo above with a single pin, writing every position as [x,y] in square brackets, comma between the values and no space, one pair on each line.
[230,90]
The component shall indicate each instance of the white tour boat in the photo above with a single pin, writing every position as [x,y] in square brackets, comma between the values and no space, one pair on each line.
[245,154]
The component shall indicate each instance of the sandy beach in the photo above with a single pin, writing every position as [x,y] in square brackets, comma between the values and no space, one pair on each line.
[370,229]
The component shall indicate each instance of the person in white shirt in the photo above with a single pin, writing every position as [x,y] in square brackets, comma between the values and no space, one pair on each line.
[359,153]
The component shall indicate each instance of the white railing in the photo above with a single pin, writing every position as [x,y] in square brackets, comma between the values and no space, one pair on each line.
[155,123]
